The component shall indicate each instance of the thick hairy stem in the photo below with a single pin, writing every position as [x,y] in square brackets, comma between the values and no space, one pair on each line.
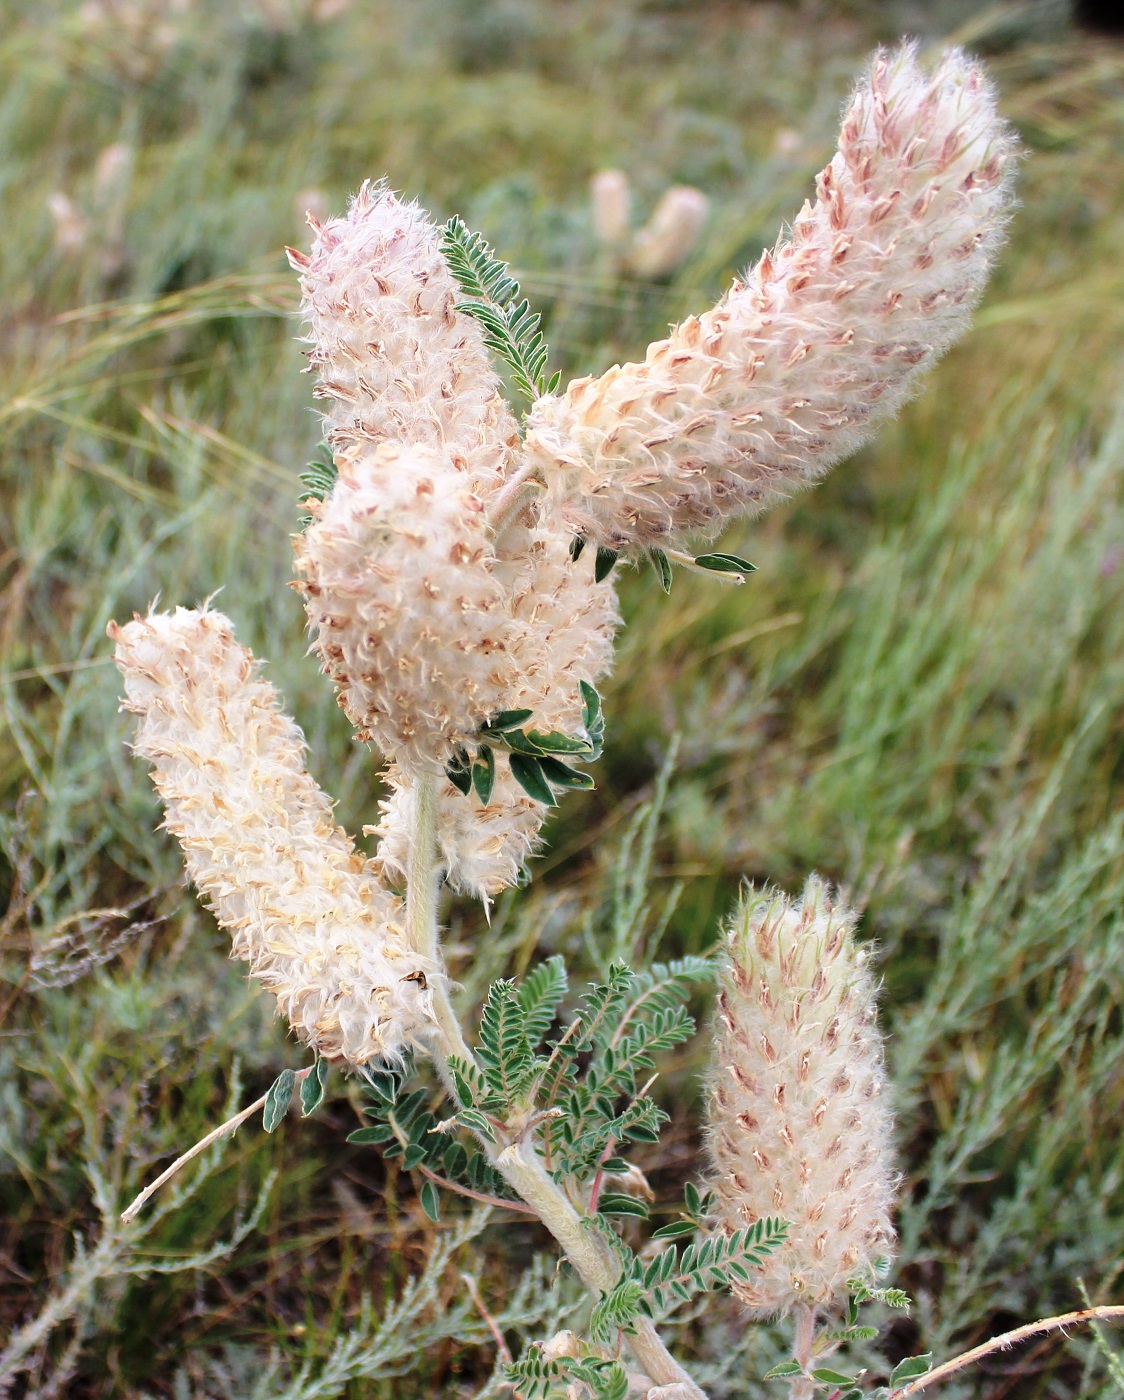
[802,1387]
[519,1164]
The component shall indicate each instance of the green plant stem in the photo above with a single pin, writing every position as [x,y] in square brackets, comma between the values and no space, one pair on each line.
[422,874]
[519,1163]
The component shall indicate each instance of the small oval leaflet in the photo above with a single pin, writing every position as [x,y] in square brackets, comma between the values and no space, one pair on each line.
[910,1368]
[313,1086]
[278,1099]
[725,564]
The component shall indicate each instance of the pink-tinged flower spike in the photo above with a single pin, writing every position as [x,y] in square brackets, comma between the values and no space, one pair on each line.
[316,926]
[563,624]
[407,616]
[799,1123]
[828,334]
[394,360]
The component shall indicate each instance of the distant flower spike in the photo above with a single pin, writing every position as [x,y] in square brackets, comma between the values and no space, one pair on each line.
[799,1123]
[317,928]
[394,360]
[671,235]
[407,616]
[829,334]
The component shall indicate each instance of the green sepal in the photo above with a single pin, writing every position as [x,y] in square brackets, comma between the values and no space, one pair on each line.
[603,564]
[484,774]
[577,544]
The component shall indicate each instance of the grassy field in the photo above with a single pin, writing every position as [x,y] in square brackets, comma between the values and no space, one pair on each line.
[920,694]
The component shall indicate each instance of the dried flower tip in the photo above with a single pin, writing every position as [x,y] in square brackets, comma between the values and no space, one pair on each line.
[612,207]
[317,928]
[562,628]
[829,333]
[406,615]
[394,359]
[798,1120]
[671,235]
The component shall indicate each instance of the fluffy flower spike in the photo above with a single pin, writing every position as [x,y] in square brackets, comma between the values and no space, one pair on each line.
[407,616]
[828,334]
[395,361]
[317,928]
[799,1125]
[562,629]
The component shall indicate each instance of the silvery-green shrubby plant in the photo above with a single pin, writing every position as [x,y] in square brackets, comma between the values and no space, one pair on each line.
[457,571]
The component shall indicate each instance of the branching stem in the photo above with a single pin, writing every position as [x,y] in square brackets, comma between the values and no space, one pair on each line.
[519,1162]
[1108,1313]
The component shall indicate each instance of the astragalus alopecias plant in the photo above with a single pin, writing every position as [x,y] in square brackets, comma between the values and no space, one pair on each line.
[457,570]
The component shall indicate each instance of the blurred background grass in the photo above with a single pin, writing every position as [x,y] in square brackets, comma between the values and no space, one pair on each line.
[920,693]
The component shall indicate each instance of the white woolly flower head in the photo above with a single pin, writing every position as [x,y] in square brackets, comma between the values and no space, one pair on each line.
[827,335]
[315,925]
[562,627]
[799,1124]
[394,359]
[406,614]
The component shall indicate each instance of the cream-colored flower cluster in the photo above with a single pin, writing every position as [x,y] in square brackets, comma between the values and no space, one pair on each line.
[735,409]
[408,617]
[799,1120]
[395,361]
[563,623]
[314,923]
[828,334]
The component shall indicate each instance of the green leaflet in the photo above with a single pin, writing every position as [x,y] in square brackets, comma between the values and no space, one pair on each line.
[511,329]
[320,477]
[278,1099]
